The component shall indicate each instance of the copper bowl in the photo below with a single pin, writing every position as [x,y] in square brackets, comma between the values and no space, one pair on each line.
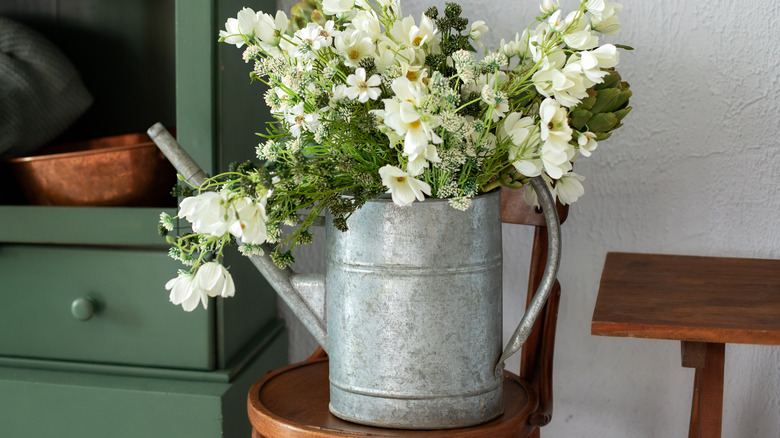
[123,170]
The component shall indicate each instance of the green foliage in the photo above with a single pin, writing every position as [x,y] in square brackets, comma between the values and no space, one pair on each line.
[604,108]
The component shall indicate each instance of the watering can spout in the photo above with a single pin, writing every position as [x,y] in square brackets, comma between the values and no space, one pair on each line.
[303,293]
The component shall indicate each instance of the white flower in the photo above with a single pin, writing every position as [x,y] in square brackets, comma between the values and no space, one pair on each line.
[520,131]
[240,29]
[555,22]
[568,85]
[361,88]
[556,152]
[606,20]
[549,6]
[569,188]
[213,280]
[300,121]
[407,33]
[312,38]
[582,37]
[594,61]
[329,32]
[391,54]
[354,45]
[404,117]
[183,292]
[367,22]
[333,7]
[270,29]
[516,47]
[338,93]
[529,167]
[414,73]
[587,143]
[418,162]
[500,107]
[478,29]
[555,129]
[251,219]
[406,121]
[403,188]
[207,212]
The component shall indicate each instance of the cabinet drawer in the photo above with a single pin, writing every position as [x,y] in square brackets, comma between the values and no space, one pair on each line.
[133,323]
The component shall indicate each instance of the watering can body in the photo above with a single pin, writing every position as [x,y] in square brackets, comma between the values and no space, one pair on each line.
[414,314]
[413,319]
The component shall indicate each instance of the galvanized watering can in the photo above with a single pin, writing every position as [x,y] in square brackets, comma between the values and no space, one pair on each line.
[413,306]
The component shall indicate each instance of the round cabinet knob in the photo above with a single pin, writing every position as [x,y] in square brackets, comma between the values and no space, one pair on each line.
[83,308]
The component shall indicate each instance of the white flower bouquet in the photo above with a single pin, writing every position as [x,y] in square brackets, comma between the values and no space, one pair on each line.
[367,102]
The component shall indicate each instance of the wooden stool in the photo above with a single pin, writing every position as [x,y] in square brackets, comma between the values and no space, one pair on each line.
[705,302]
[293,401]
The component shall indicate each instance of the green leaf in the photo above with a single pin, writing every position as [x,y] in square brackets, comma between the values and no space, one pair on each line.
[605,101]
[621,100]
[622,113]
[602,122]
[580,118]
[610,80]
[623,46]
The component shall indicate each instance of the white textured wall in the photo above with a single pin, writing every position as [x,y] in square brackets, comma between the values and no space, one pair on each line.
[695,170]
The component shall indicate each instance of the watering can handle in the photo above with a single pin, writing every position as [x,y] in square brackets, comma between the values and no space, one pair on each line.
[536,305]
[288,285]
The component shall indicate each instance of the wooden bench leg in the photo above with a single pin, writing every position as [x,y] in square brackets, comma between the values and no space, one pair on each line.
[707,404]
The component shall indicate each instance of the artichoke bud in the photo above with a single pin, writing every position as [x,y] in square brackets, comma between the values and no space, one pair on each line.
[604,108]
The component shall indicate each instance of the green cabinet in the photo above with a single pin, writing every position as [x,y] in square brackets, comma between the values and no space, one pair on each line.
[89,344]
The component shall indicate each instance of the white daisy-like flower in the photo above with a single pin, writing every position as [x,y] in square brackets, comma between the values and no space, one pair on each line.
[519,130]
[240,29]
[367,22]
[183,292]
[300,121]
[556,23]
[403,187]
[213,280]
[312,40]
[478,29]
[556,152]
[568,85]
[418,162]
[361,88]
[607,21]
[587,143]
[337,94]
[408,34]
[407,121]
[549,6]
[555,129]
[207,212]
[354,45]
[270,29]
[249,226]
[582,36]
[569,188]
[594,61]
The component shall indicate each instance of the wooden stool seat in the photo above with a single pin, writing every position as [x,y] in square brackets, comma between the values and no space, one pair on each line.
[293,402]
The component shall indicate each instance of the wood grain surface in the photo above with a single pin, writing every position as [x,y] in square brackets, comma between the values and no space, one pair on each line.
[293,402]
[689,298]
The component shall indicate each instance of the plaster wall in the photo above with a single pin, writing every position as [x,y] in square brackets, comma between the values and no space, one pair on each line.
[695,170]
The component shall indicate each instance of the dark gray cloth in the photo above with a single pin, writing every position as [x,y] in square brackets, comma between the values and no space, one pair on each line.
[41,93]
